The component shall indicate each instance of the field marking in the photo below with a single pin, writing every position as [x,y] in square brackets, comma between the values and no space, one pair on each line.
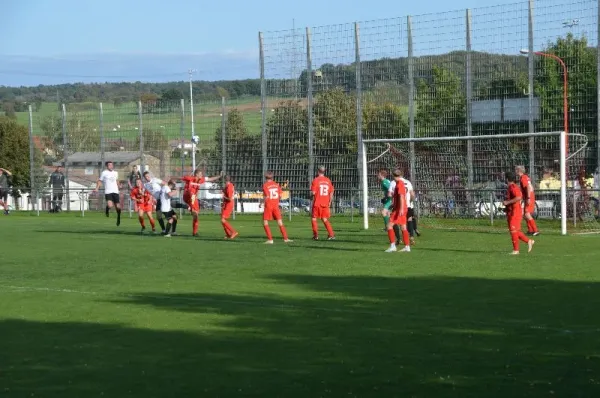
[293,307]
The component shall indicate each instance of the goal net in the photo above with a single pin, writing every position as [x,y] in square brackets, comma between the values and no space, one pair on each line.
[459,181]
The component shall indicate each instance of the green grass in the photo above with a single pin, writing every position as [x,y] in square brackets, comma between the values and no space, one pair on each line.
[87,309]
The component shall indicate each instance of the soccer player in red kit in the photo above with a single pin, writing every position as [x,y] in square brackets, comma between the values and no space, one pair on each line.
[144,201]
[190,194]
[227,208]
[399,214]
[272,194]
[528,200]
[514,214]
[322,191]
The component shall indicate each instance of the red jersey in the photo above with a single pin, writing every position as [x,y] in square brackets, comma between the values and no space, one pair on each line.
[400,193]
[525,182]
[141,196]
[322,190]
[515,209]
[272,193]
[228,191]
[189,181]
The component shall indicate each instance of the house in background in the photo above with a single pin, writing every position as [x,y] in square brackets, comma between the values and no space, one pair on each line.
[88,165]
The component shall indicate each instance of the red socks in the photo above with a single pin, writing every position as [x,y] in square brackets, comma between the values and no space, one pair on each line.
[268,232]
[391,235]
[315,228]
[405,237]
[195,226]
[229,231]
[328,228]
[283,232]
[515,237]
[141,219]
[531,226]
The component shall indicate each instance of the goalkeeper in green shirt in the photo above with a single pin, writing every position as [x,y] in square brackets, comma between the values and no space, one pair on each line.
[386,201]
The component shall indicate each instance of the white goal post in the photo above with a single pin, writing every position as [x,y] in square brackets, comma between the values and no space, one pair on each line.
[562,150]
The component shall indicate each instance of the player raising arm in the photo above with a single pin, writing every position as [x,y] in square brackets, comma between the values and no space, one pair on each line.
[154,185]
[399,214]
[110,180]
[190,194]
[166,193]
[227,208]
[271,195]
[514,214]
[322,192]
[144,201]
[528,200]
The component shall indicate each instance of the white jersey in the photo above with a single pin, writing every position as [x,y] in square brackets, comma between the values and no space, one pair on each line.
[110,181]
[165,199]
[154,187]
[409,189]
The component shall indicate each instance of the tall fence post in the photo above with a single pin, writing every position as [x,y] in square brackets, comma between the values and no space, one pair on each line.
[309,106]
[223,135]
[531,72]
[598,91]
[141,137]
[359,136]
[66,157]
[263,103]
[411,96]
[102,139]
[469,84]
[33,195]
[181,139]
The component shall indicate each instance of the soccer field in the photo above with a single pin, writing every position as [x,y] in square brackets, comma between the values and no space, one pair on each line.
[88,309]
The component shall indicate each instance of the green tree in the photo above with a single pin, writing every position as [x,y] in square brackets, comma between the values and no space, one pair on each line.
[384,121]
[243,151]
[441,105]
[81,136]
[9,110]
[287,142]
[153,141]
[14,153]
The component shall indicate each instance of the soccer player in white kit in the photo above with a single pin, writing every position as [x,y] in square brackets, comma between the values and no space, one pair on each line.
[110,180]
[154,186]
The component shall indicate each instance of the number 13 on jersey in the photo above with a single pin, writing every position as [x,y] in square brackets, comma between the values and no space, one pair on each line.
[323,190]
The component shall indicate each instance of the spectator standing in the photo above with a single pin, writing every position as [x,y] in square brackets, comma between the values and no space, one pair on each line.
[4,188]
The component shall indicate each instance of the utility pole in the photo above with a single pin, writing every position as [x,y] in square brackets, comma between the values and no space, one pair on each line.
[195,139]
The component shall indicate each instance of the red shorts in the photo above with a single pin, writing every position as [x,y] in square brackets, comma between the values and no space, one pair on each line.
[530,208]
[514,223]
[321,212]
[271,214]
[191,201]
[396,218]
[146,208]
[226,209]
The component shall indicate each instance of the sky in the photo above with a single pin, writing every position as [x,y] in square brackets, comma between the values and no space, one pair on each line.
[57,41]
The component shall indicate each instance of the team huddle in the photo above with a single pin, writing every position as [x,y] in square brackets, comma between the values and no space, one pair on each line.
[151,195]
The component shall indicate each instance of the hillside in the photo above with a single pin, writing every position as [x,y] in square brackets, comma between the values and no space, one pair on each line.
[486,67]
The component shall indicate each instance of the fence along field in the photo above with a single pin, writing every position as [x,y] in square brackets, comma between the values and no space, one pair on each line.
[324,89]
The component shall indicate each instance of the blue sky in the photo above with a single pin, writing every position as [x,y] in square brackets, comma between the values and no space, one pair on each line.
[151,40]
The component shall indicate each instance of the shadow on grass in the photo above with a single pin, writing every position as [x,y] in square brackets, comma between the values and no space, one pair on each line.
[347,337]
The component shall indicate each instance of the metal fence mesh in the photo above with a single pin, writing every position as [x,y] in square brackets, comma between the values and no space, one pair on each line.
[323,89]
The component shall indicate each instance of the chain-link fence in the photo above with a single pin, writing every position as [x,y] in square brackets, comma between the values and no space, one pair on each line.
[489,70]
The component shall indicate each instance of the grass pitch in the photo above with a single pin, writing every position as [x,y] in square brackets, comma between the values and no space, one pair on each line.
[87,310]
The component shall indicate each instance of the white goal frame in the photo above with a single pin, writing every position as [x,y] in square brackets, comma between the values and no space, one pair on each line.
[563,164]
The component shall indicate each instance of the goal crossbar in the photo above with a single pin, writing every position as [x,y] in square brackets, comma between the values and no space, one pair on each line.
[562,160]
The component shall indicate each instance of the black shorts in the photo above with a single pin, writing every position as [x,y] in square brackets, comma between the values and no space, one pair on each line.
[169,214]
[3,194]
[113,197]
[410,212]
[158,206]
